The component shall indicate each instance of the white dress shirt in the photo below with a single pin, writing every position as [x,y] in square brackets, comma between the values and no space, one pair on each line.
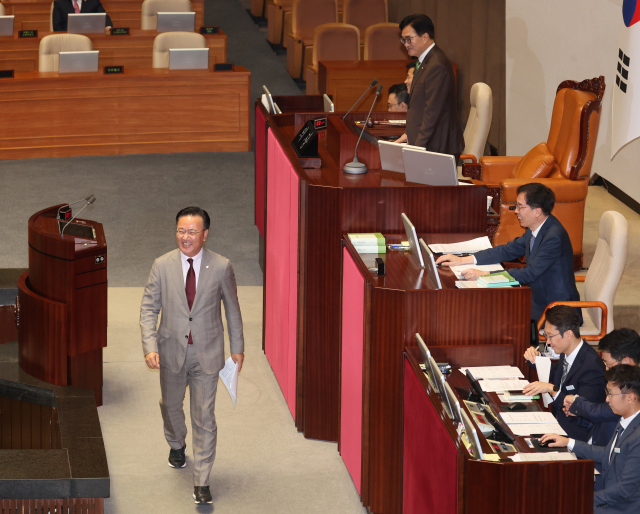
[624,423]
[424,54]
[197,260]
[534,233]
[569,359]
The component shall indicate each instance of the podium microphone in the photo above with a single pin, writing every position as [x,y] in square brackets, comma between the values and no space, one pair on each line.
[354,167]
[90,199]
[373,83]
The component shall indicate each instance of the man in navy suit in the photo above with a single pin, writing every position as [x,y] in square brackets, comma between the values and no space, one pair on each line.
[579,371]
[545,244]
[63,8]
[619,489]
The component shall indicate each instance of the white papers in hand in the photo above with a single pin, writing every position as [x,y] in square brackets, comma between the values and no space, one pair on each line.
[535,457]
[528,417]
[536,428]
[499,385]
[229,377]
[471,246]
[457,270]
[543,367]
[479,372]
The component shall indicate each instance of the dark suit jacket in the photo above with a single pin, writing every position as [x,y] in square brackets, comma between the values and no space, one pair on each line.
[432,118]
[601,415]
[585,378]
[62,8]
[619,489]
[549,269]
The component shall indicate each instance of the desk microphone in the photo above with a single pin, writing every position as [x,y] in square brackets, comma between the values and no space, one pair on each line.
[354,167]
[373,83]
[70,204]
[90,199]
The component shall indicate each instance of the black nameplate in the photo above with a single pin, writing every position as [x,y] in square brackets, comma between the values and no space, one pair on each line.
[305,143]
[209,30]
[223,66]
[108,70]
[27,33]
[120,31]
[6,74]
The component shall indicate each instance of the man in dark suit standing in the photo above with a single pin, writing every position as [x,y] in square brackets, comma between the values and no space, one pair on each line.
[432,118]
[545,244]
[63,8]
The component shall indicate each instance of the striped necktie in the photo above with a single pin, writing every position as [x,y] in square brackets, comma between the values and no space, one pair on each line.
[531,241]
[565,372]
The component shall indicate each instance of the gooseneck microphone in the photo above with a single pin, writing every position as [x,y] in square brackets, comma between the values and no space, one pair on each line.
[373,83]
[90,199]
[70,204]
[354,167]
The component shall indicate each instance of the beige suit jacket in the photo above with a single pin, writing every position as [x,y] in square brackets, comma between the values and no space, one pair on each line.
[165,291]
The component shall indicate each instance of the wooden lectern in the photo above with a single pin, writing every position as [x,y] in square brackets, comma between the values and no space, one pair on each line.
[63,302]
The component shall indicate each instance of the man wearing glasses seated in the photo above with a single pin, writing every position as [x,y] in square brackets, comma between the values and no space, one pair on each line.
[579,371]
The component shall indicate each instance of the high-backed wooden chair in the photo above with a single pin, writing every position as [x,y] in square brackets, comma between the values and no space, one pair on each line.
[258,8]
[563,163]
[382,43]
[277,13]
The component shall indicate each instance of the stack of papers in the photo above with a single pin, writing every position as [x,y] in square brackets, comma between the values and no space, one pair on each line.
[368,242]
[501,279]
[472,246]
[493,372]
[535,457]
[229,377]
[500,385]
[528,423]
[467,284]
[457,270]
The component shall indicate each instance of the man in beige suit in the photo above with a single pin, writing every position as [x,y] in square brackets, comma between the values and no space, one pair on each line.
[188,285]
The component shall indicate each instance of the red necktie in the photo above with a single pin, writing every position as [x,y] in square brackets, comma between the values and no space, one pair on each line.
[75,7]
[190,288]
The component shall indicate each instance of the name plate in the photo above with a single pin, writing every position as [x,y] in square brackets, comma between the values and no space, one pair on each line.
[305,143]
[6,74]
[209,30]
[223,66]
[109,70]
[121,31]
[27,33]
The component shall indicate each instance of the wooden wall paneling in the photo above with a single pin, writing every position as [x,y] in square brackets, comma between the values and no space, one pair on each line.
[85,370]
[16,424]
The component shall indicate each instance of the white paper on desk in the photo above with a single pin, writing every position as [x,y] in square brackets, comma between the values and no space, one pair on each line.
[457,270]
[479,372]
[467,284]
[229,377]
[503,399]
[511,418]
[536,428]
[545,456]
[500,385]
[543,367]
[471,246]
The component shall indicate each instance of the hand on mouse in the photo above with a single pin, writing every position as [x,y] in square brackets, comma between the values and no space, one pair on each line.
[554,440]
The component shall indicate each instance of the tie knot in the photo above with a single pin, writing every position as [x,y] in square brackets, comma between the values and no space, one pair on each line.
[190,261]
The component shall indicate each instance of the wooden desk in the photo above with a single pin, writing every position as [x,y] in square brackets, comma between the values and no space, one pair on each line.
[35,14]
[133,51]
[440,476]
[140,111]
[380,317]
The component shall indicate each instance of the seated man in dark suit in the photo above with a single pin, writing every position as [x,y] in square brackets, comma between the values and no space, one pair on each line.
[619,489]
[62,8]
[620,346]
[546,246]
[579,371]
[398,98]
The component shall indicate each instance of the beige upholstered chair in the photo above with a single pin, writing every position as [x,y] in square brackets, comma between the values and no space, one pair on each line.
[602,279]
[51,17]
[52,45]
[332,42]
[307,15]
[478,124]
[382,43]
[2,13]
[364,13]
[167,40]
[151,8]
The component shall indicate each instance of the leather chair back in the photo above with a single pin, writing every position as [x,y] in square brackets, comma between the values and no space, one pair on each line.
[364,13]
[479,121]
[308,14]
[53,44]
[167,40]
[51,17]
[151,8]
[336,42]
[382,42]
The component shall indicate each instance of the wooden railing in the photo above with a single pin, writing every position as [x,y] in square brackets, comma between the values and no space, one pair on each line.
[28,426]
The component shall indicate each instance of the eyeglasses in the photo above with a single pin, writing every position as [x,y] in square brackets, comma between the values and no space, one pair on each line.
[406,40]
[191,233]
[607,393]
[610,364]
[519,207]
[550,336]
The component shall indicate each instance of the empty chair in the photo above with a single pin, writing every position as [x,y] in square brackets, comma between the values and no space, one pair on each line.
[279,20]
[52,45]
[478,124]
[602,279]
[363,14]
[151,8]
[332,42]
[307,15]
[382,43]
[168,40]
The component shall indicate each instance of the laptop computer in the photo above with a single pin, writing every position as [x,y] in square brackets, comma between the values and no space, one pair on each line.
[93,23]
[413,238]
[430,168]
[433,278]
[176,21]
[76,62]
[6,25]
[391,155]
[188,58]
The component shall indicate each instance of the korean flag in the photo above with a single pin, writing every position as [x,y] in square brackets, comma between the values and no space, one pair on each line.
[625,108]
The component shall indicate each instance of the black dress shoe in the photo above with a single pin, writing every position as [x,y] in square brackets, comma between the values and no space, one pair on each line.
[177,458]
[202,495]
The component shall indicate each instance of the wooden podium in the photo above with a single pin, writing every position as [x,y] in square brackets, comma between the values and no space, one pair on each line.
[63,302]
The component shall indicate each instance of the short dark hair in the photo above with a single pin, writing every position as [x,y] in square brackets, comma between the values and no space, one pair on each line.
[626,377]
[564,318]
[195,211]
[421,23]
[411,65]
[621,343]
[400,90]
[538,196]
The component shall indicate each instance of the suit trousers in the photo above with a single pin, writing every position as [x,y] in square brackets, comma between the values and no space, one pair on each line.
[202,394]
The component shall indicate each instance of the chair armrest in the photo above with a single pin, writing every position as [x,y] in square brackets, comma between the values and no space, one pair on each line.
[472,170]
[469,157]
[495,169]
[581,304]
[564,189]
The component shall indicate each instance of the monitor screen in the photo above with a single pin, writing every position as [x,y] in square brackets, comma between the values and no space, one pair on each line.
[454,404]
[472,436]
[413,238]
[426,355]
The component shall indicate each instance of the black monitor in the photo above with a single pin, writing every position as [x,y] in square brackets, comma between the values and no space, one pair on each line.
[476,387]
[497,425]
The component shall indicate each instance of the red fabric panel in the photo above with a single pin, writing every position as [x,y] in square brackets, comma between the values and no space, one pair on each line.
[281,294]
[260,170]
[351,386]
[430,474]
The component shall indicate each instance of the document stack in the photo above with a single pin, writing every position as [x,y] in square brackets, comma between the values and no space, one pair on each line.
[372,242]
[502,279]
